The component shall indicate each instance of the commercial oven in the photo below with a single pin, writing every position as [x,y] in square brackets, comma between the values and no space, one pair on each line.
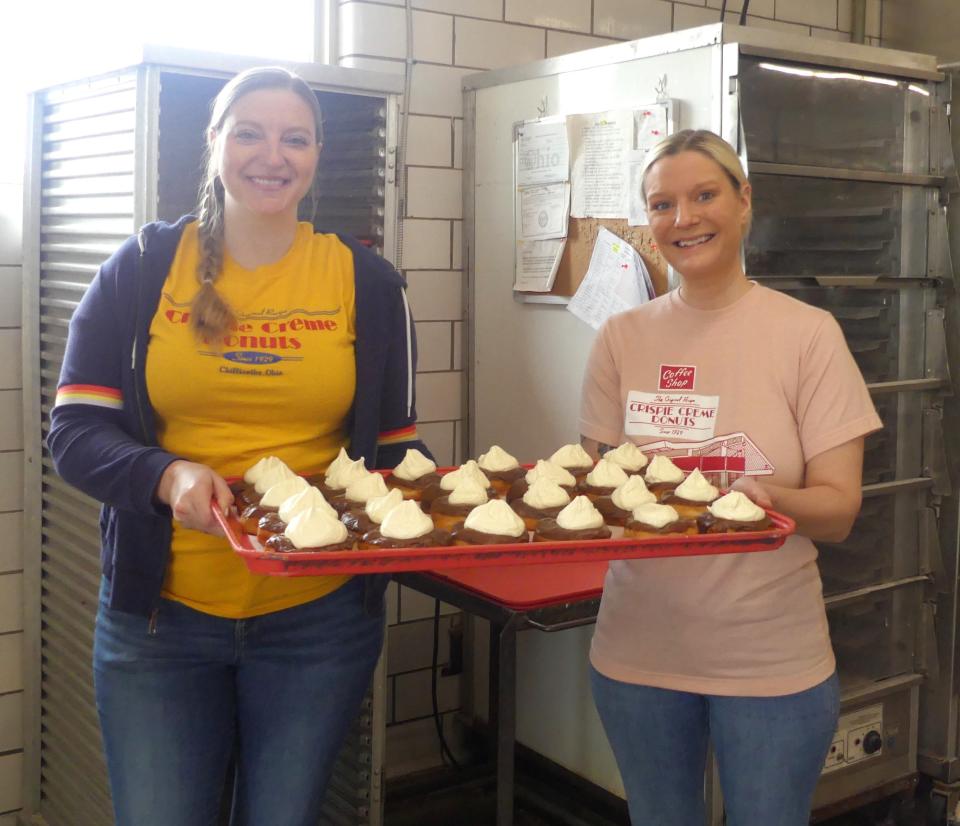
[107,154]
[848,152]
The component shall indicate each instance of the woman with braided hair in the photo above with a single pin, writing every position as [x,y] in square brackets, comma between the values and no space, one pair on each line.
[200,347]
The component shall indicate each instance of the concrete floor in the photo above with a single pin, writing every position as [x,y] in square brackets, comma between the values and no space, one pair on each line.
[473,804]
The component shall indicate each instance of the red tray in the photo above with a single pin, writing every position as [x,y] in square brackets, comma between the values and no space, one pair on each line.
[435,559]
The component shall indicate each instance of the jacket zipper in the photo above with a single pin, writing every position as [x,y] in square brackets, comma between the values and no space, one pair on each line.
[141,240]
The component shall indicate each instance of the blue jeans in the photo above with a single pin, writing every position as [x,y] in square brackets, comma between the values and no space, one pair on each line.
[278,692]
[769,750]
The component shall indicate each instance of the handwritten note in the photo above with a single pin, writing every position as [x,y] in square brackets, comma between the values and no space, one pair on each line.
[616,280]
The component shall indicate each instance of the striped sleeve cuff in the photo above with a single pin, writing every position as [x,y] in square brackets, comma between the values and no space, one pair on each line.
[393,437]
[94,394]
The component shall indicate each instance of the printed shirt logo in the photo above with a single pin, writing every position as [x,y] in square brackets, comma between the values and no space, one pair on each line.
[262,338]
[723,458]
[675,377]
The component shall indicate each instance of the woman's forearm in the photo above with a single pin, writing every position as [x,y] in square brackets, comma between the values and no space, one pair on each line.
[822,513]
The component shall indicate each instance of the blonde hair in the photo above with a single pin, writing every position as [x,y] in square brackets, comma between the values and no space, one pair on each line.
[210,315]
[706,143]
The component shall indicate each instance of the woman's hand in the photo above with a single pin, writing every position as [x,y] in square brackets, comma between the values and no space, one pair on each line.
[188,488]
[753,490]
[829,501]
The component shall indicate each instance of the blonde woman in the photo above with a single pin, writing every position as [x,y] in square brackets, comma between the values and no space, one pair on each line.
[199,348]
[729,649]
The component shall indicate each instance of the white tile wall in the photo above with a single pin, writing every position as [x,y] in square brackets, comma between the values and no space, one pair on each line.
[433,192]
[438,396]
[11,419]
[414,746]
[11,224]
[435,294]
[457,143]
[777,25]
[11,544]
[491,9]
[417,606]
[426,245]
[11,779]
[369,29]
[436,90]
[373,29]
[413,695]
[565,42]
[11,374]
[686,17]
[11,721]
[432,37]
[11,602]
[760,8]
[411,646]
[821,13]
[456,244]
[374,64]
[11,481]
[551,14]
[438,436]
[458,345]
[830,34]
[11,662]
[486,45]
[10,299]
[631,19]
[434,341]
[429,141]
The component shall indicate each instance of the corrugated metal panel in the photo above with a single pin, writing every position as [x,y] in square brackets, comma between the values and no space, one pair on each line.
[87,209]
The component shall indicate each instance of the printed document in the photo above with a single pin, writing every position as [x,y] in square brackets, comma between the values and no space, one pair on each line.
[616,280]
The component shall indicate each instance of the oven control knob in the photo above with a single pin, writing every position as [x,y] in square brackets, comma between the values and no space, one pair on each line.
[872,742]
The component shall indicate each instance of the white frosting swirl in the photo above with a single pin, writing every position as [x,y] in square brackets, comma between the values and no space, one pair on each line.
[545,469]
[572,456]
[736,507]
[497,460]
[495,517]
[346,474]
[628,456]
[468,492]
[406,521]
[275,495]
[304,500]
[580,515]
[378,507]
[271,475]
[314,528]
[657,516]
[366,488]
[606,475]
[468,470]
[696,488]
[334,467]
[253,474]
[632,494]
[413,466]
[661,469]
[544,494]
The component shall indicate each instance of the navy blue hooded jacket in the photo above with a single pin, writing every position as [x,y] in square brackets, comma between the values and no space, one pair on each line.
[108,448]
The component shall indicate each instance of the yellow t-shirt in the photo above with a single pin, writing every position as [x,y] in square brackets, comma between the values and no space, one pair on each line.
[280,383]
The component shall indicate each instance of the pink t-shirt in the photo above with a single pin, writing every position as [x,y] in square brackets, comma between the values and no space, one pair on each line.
[759,387]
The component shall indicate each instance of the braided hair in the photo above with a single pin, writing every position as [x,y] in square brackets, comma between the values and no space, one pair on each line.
[210,315]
